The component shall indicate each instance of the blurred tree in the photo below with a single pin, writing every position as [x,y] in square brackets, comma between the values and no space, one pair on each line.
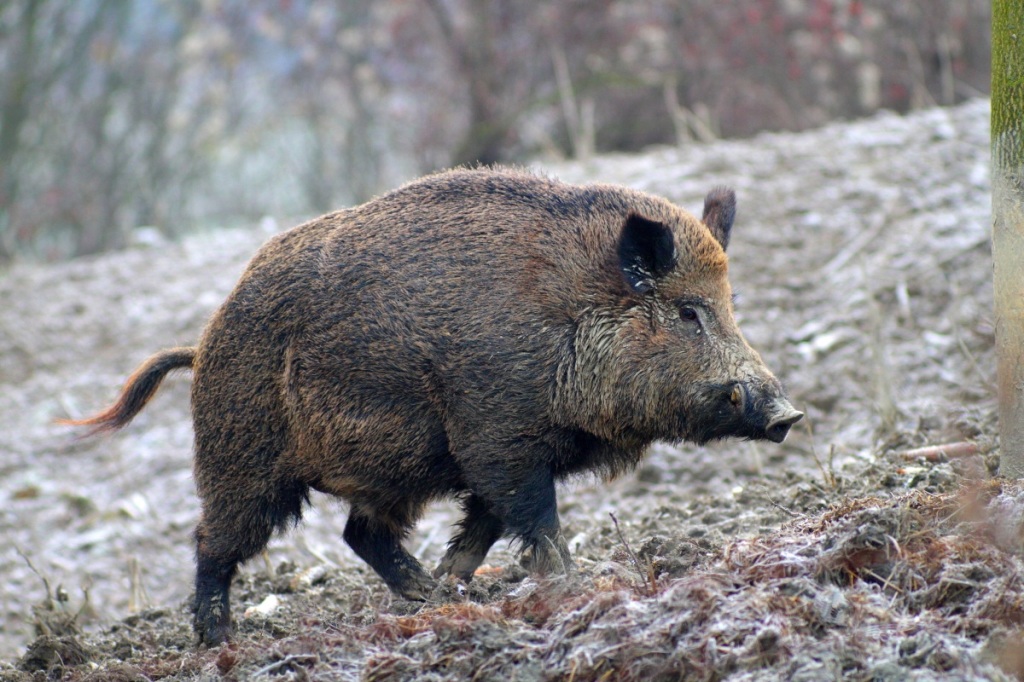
[331,87]
[14,110]
[116,114]
[474,54]
[95,135]
[515,60]
[32,68]
[1008,225]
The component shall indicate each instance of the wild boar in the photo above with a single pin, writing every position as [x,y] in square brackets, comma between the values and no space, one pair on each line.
[476,334]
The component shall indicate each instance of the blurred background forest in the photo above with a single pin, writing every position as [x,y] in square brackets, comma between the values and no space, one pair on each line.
[186,114]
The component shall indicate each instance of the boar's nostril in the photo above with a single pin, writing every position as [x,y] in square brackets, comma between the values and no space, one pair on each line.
[778,429]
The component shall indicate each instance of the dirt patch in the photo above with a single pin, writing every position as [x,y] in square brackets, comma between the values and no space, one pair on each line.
[861,258]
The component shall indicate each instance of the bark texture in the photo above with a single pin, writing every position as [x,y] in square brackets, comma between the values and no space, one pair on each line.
[1008,225]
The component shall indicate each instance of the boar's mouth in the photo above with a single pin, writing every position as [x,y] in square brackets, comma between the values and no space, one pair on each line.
[741,410]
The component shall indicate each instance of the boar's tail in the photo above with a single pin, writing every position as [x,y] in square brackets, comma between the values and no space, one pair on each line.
[137,391]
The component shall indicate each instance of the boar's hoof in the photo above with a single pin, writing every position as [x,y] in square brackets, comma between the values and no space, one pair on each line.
[462,565]
[548,557]
[778,428]
[414,587]
[212,620]
[214,635]
[212,629]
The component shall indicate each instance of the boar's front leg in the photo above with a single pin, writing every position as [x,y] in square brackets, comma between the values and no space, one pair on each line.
[478,531]
[518,487]
[378,541]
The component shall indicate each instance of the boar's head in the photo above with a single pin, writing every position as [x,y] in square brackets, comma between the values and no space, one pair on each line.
[667,360]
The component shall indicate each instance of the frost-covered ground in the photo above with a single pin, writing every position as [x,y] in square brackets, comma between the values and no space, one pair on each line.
[861,258]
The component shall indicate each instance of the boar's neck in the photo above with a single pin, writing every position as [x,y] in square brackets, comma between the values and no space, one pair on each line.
[583,452]
[586,377]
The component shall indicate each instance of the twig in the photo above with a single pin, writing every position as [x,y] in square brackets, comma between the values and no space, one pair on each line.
[317,554]
[785,509]
[885,397]
[649,588]
[287,660]
[940,453]
[974,362]
[858,243]
[52,616]
[138,599]
[46,583]
[885,581]
[555,549]
[829,476]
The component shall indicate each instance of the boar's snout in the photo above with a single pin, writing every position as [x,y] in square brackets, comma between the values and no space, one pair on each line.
[778,428]
[768,415]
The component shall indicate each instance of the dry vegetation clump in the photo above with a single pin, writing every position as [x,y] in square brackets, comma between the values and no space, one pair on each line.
[874,588]
[837,594]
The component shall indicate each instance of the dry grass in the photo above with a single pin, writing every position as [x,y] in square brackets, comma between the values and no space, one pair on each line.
[873,587]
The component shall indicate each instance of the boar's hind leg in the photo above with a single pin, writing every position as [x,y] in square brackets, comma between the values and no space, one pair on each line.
[234,528]
[479,529]
[378,541]
[212,607]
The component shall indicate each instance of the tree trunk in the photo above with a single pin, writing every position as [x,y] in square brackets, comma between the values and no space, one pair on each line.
[1008,225]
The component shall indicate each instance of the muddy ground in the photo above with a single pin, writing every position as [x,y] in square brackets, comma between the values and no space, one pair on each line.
[862,260]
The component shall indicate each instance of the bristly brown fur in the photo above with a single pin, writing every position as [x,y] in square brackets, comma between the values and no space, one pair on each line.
[478,334]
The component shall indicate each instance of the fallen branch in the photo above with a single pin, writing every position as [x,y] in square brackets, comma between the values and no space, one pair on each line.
[940,453]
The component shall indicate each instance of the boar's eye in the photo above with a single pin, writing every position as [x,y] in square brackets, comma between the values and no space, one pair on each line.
[688,314]
[692,317]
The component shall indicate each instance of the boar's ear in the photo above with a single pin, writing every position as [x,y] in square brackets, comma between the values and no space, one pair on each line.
[647,251]
[719,212]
